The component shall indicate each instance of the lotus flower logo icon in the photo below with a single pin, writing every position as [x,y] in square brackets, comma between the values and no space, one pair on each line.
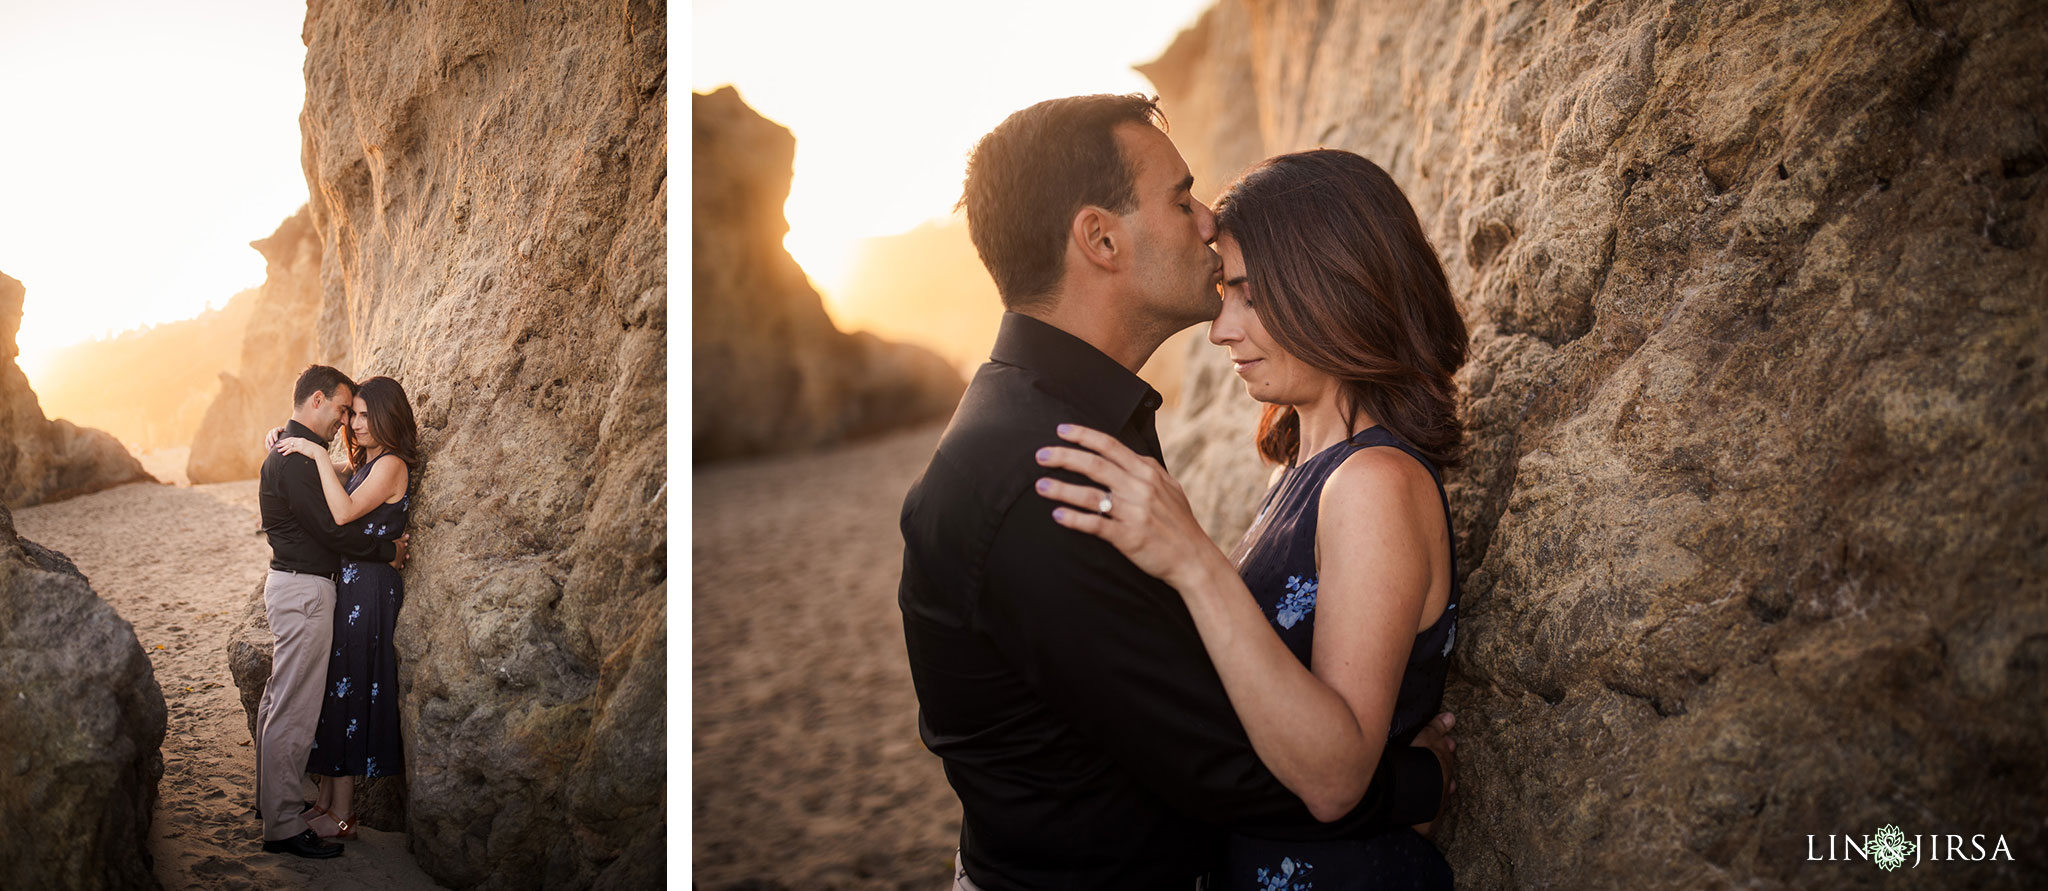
[1889,848]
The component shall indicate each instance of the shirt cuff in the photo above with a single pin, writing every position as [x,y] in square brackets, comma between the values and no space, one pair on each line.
[1415,786]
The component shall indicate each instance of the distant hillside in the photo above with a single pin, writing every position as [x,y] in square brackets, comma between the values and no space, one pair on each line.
[927,287]
[148,387]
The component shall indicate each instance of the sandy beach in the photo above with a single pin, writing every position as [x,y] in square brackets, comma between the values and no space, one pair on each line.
[177,562]
[807,767]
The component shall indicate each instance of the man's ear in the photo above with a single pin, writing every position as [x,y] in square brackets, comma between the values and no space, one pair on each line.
[1100,237]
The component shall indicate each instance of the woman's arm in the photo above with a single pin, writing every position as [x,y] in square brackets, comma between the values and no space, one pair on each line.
[386,480]
[276,433]
[1321,733]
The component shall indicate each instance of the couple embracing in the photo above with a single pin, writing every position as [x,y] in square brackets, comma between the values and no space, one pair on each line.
[330,707]
[1119,703]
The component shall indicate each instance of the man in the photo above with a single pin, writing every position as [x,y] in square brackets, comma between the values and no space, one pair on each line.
[306,549]
[1081,723]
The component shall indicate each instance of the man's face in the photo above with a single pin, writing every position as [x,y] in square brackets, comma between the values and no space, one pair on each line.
[328,417]
[1174,271]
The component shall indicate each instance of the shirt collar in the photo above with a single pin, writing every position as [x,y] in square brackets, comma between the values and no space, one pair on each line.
[294,428]
[1102,387]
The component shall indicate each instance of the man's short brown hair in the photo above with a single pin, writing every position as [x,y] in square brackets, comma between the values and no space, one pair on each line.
[319,379]
[1028,177]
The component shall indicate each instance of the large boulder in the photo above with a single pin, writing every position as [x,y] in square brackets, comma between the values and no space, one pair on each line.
[770,372]
[1752,522]
[42,460]
[277,344]
[81,729]
[489,189]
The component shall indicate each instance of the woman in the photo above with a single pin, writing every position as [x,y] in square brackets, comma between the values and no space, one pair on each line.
[358,731]
[1331,623]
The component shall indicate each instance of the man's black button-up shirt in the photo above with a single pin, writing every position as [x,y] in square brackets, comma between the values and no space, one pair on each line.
[303,534]
[1081,723]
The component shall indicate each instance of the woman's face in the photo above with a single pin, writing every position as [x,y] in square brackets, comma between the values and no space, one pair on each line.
[359,425]
[1269,373]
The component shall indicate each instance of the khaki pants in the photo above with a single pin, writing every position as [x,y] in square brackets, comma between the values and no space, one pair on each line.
[301,611]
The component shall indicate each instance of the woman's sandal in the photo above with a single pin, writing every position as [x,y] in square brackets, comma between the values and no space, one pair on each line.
[340,828]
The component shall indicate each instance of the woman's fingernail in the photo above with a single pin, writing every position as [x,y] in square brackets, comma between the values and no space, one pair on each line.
[1066,429]
[1059,514]
[1045,485]
[1045,454]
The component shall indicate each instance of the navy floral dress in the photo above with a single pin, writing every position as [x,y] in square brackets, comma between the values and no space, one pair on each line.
[358,732]
[1278,562]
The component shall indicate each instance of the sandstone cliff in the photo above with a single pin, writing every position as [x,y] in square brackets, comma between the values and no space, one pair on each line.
[770,372]
[277,344]
[81,729]
[489,186]
[1752,523]
[41,459]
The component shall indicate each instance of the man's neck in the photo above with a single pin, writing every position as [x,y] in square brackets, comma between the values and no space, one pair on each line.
[308,424]
[1101,324]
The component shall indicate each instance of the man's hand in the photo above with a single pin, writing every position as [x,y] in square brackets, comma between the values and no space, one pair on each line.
[404,542]
[1436,737]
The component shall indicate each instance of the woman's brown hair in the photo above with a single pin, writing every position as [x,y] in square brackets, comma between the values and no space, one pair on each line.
[390,422]
[1345,281]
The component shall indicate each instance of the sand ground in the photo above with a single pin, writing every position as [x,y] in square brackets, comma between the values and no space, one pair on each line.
[178,562]
[807,768]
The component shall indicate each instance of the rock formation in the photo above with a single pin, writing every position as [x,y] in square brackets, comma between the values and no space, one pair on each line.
[41,459]
[1752,519]
[489,186]
[770,372]
[279,342]
[81,729]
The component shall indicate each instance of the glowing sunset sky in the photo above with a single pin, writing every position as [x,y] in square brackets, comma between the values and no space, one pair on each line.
[885,99]
[146,145]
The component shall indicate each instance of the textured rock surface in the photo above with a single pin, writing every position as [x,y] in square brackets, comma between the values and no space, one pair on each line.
[1753,517]
[81,729]
[489,187]
[771,373]
[278,344]
[41,459]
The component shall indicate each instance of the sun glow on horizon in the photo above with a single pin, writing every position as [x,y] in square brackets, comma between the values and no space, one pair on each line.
[148,144]
[885,101]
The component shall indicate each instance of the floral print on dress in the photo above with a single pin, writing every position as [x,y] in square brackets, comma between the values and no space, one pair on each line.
[1300,600]
[1451,632]
[357,735]
[1292,875]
